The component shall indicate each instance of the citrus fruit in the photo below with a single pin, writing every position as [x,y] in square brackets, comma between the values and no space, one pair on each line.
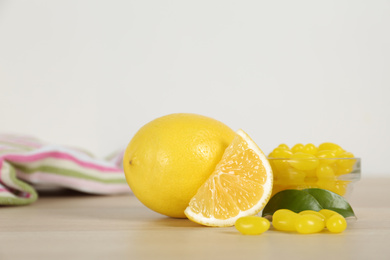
[240,185]
[169,158]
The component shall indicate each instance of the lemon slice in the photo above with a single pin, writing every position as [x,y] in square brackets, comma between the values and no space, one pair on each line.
[240,185]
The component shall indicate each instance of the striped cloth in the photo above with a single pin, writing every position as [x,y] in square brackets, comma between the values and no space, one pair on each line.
[27,163]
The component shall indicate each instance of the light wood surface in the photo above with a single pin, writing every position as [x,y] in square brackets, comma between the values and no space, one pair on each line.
[69,225]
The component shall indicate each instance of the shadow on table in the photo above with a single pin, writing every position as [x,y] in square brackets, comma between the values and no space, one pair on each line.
[63,192]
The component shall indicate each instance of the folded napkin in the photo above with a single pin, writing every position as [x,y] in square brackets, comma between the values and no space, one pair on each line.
[27,163]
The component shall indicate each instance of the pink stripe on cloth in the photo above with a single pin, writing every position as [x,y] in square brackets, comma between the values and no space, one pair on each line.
[1,166]
[75,183]
[119,159]
[59,155]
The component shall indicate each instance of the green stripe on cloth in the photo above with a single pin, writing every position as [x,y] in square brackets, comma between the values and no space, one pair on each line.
[22,187]
[71,173]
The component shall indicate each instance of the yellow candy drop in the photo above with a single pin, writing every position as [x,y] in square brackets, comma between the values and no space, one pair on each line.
[280,152]
[331,146]
[326,157]
[297,148]
[284,146]
[309,224]
[312,212]
[336,223]
[310,149]
[284,220]
[304,161]
[325,172]
[252,225]
[327,213]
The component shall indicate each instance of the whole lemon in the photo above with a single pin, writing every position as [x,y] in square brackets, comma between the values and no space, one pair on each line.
[169,158]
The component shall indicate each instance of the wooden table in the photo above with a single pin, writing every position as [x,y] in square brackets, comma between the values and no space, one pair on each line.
[70,225]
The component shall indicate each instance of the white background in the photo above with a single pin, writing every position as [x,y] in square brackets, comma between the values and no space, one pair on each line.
[91,73]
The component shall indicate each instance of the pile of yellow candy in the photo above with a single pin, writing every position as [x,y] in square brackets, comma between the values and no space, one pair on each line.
[308,166]
[308,221]
[304,222]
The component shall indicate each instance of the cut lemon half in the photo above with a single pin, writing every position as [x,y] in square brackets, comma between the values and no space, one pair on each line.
[240,185]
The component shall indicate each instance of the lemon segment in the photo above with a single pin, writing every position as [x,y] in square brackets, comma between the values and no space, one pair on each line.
[240,185]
